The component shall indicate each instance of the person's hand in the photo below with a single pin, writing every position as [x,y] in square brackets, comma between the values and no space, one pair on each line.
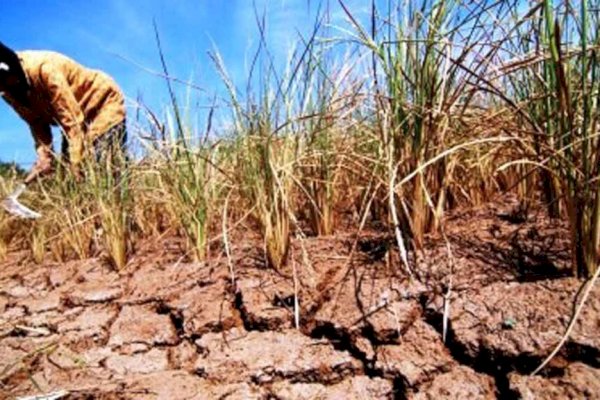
[42,167]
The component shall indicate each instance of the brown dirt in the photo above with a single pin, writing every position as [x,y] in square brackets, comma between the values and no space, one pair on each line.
[459,383]
[578,382]
[166,329]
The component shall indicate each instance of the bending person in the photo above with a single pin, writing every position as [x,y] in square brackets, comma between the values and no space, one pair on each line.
[49,89]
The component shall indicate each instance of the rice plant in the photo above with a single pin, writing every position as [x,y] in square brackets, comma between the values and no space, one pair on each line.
[186,167]
[554,82]
[329,97]
[188,184]
[427,59]
[67,225]
[268,132]
[108,178]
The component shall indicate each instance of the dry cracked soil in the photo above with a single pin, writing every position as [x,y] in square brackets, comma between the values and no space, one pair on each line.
[343,322]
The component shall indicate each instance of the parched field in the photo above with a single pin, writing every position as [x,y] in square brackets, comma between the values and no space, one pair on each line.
[167,329]
[406,206]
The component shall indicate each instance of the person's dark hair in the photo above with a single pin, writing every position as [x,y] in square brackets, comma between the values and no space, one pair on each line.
[12,75]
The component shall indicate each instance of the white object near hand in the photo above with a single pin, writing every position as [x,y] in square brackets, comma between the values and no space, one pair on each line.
[14,207]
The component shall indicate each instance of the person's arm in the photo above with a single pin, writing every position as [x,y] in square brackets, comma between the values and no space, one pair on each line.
[68,112]
[42,136]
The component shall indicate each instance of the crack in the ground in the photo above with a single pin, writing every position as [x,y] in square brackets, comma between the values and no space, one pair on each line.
[494,364]
[400,389]
[341,340]
[250,324]
[499,365]
[176,317]
[140,302]
[335,375]
[109,324]
[576,352]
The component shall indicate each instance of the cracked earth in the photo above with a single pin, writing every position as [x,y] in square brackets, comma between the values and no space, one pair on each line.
[338,329]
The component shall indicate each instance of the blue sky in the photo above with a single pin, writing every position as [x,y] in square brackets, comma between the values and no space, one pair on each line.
[117,36]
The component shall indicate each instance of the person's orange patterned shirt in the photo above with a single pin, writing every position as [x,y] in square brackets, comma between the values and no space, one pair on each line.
[84,102]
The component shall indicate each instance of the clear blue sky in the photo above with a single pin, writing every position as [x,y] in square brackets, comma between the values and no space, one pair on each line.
[99,33]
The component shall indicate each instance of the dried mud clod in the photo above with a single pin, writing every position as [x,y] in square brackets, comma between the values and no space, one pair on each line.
[355,388]
[579,381]
[142,325]
[460,382]
[416,359]
[265,357]
[519,324]
[265,301]
[507,329]
[203,308]
[156,283]
[487,247]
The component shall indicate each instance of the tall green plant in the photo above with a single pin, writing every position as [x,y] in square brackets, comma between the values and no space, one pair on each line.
[188,181]
[109,180]
[324,99]
[558,92]
[572,94]
[424,67]
[186,172]
[269,129]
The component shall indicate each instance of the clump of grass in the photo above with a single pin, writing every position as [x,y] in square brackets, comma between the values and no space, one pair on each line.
[6,236]
[66,227]
[5,221]
[267,148]
[264,162]
[555,84]
[11,231]
[38,244]
[187,169]
[319,180]
[267,186]
[77,216]
[187,180]
[151,215]
[327,101]
[424,71]
[109,182]
[4,244]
